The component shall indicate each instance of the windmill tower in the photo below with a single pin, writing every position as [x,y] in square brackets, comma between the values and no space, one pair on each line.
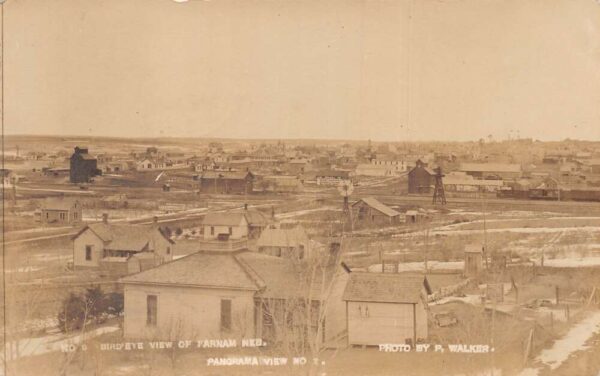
[346,188]
[439,196]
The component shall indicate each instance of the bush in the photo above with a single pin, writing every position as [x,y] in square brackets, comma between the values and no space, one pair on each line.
[72,315]
[115,303]
[98,305]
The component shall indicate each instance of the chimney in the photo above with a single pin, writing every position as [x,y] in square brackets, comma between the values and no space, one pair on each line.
[104,217]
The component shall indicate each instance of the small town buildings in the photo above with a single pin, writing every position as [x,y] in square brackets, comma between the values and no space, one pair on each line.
[59,211]
[226,182]
[102,244]
[332,177]
[492,170]
[386,308]
[150,164]
[216,295]
[549,189]
[421,179]
[293,242]
[382,167]
[461,182]
[369,210]
[83,167]
[281,183]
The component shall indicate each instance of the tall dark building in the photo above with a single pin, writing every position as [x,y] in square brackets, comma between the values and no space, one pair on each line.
[83,166]
[421,179]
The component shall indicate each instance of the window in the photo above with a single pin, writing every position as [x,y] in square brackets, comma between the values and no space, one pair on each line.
[230,230]
[88,253]
[225,314]
[168,250]
[151,309]
[212,230]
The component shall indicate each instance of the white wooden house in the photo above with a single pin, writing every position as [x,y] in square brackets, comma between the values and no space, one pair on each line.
[104,244]
[217,295]
[386,308]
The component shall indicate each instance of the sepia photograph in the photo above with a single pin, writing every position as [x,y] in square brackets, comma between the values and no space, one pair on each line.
[300,187]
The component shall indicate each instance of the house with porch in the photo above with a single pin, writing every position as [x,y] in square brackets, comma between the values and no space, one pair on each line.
[239,295]
[110,245]
[59,211]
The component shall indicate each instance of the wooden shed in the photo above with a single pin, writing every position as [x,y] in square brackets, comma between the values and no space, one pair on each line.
[370,210]
[386,308]
[473,260]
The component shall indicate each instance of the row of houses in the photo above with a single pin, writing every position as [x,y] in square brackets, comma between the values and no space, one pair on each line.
[252,295]
[240,293]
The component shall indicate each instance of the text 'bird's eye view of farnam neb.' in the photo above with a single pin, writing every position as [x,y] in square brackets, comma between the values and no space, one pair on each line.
[299,187]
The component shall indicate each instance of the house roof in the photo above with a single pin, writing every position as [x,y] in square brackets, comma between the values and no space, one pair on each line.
[256,218]
[224,219]
[280,277]
[123,237]
[202,269]
[385,287]
[490,167]
[278,237]
[373,203]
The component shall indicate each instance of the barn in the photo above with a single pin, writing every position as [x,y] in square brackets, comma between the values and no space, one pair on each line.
[372,211]
[226,182]
[386,308]
[421,179]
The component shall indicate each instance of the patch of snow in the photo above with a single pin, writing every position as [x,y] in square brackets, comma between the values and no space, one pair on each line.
[572,342]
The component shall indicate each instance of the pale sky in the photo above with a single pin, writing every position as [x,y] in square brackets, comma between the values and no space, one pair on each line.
[459,70]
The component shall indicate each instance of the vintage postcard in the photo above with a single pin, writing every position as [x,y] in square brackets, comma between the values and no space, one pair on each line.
[300,187]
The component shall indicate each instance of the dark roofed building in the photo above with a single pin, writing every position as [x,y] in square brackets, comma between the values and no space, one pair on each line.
[83,166]
[226,182]
[421,179]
